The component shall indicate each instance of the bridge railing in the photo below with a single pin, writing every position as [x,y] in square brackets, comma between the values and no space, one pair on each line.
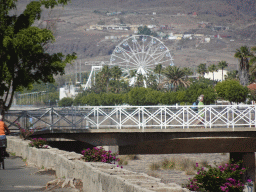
[134,117]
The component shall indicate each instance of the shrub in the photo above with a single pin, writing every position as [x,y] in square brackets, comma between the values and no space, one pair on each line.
[154,166]
[38,143]
[226,178]
[99,155]
[24,133]
[232,90]
[66,102]
[167,164]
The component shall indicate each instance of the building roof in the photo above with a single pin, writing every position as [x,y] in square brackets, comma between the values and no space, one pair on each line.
[252,86]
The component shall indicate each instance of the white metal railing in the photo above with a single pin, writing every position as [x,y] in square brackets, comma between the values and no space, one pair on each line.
[163,117]
[136,117]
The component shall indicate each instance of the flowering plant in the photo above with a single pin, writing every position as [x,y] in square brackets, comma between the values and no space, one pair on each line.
[226,178]
[24,133]
[38,143]
[99,155]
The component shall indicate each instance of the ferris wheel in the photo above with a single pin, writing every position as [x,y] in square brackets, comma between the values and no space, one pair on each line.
[141,53]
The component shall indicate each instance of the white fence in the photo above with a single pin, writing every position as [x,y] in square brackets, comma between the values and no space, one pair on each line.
[136,117]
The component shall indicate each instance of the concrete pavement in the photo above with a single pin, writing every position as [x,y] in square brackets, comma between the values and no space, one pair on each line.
[18,177]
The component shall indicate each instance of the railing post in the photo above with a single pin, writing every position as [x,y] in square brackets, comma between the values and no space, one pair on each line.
[187,117]
[139,117]
[142,118]
[97,108]
[120,118]
[161,117]
[254,115]
[52,120]
[183,118]
[165,117]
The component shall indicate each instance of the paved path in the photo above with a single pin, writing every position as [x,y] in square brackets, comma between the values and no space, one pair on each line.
[18,177]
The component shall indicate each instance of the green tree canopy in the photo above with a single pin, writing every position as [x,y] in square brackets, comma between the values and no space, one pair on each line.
[201,69]
[243,54]
[222,65]
[212,68]
[175,76]
[199,87]
[66,102]
[231,75]
[232,90]
[146,31]
[24,59]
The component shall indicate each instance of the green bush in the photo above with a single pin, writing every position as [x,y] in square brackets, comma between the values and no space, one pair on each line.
[226,178]
[99,155]
[232,90]
[38,143]
[65,102]
[168,98]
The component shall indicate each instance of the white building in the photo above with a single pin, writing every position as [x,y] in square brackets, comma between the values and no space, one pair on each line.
[68,91]
[217,75]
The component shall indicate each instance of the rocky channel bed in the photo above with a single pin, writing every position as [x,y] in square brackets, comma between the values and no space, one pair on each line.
[142,163]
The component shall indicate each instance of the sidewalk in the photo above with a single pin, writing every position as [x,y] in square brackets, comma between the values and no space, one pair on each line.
[18,177]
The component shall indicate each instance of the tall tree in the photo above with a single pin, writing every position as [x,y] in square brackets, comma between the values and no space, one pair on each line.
[103,78]
[222,65]
[243,54]
[139,80]
[158,69]
[188,71]
[151,81]
[23,56]
[231,75]
[116,72]
[212,68]
[175,76]
[252,64]
[201,69]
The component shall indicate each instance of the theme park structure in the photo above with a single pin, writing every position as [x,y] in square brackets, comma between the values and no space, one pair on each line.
[140,53]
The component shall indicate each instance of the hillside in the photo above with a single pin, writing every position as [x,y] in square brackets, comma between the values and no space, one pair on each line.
[71,27]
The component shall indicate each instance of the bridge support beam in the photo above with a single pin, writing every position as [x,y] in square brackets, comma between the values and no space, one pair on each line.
[248,162]
[113,149]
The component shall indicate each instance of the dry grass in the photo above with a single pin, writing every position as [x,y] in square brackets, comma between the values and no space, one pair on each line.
[167,164]
[124,159]
[204,163]
[184,164]
[154,166]
[153,174]
[190,171]
[132,157]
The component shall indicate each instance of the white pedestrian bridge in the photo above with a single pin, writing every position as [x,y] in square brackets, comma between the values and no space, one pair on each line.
[134,117]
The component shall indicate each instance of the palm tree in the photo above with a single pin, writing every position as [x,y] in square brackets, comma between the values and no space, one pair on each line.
[222,65]
[140,80]
[252,63]
[212,68]
[175,76]
[132,73]
[231,75]
[105,76]
[201,69]
[188,71]
[116,72]
[158,70]
[243,54]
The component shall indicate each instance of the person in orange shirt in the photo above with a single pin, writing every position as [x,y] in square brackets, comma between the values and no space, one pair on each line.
[3,129]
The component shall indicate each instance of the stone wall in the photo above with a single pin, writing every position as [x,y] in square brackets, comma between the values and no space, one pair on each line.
[96,177]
